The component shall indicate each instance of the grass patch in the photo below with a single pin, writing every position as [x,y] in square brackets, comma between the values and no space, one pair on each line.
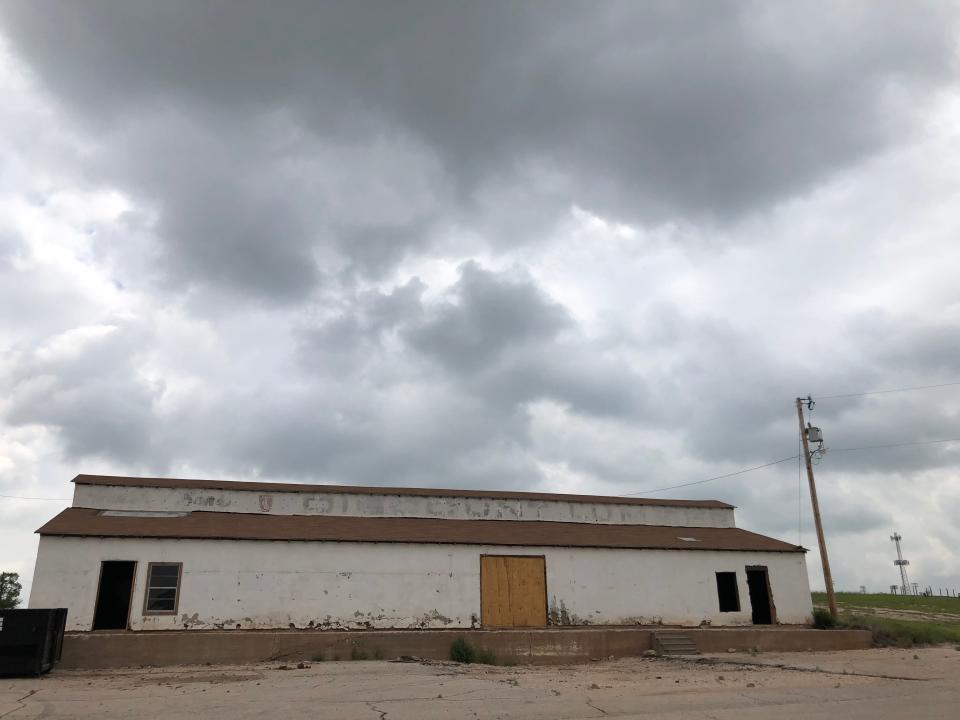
[858,611]
[463,651]
[317,658]
[917,603]
[903,633]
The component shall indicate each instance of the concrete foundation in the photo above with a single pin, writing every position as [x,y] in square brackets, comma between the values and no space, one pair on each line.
[548,646]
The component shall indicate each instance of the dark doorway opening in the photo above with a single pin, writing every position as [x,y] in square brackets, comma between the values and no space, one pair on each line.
[113,595]
[727,593]
[759,584]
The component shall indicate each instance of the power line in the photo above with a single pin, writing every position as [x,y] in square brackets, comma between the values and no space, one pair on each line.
[895,445]
[884,392]
[718,477]
[695,482]
[792,457]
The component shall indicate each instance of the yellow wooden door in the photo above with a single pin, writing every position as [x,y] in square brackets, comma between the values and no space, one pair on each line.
[513,591]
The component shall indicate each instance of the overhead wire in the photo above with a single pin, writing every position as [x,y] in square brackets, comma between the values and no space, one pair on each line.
[895,445]
[798,457]
[718,477]
[885,392]
[799,454]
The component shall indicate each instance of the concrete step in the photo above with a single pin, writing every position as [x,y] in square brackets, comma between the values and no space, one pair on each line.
[674,642]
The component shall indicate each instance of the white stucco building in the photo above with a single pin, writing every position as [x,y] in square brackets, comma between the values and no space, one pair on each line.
[165,554]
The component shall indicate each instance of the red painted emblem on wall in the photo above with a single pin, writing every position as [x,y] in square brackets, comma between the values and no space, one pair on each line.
[266,502]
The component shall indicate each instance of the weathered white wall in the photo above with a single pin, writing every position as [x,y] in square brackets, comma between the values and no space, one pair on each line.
[255,584]
[288,503]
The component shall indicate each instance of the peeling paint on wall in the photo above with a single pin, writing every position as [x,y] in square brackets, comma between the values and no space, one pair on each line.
[355,585]
[287,503]
[316,505]
[260,585]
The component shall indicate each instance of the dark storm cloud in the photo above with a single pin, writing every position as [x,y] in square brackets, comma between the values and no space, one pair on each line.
[503,337]
[491,315]
[725,393]
[645,111]
[496,336]
[439,438]
[376,413]
[917,345]
[355,335]
[85,386]
[362,412]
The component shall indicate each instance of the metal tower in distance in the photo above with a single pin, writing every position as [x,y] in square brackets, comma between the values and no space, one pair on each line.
[902,564]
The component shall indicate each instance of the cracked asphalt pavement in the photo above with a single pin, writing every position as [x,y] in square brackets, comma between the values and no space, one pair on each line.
[868,684]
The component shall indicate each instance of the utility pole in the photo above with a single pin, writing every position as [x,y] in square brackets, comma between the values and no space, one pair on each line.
[904,583]
[824,560]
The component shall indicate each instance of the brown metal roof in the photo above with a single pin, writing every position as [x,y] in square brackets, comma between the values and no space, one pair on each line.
[366,490]
[88,522]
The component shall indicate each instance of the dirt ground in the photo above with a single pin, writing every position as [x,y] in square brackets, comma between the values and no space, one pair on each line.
[870,684]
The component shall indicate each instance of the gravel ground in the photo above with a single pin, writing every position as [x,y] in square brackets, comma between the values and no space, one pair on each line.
[870,684]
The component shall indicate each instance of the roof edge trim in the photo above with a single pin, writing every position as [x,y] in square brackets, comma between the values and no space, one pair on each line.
[261,486]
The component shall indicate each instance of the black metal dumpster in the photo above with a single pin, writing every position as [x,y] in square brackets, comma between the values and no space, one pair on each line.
[31,641]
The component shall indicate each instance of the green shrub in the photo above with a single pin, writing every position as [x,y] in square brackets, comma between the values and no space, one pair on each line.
[462,651]
[358,654]
[823,620]
[317,658]
[377,654]
[486,656]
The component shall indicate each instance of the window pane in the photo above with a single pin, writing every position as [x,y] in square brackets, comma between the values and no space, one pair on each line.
[161,600]
[164,575]
[162,587]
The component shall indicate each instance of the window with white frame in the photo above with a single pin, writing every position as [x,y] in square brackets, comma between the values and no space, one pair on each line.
[163,588]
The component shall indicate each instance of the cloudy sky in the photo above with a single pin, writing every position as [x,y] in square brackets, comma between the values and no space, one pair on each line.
[554,246]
